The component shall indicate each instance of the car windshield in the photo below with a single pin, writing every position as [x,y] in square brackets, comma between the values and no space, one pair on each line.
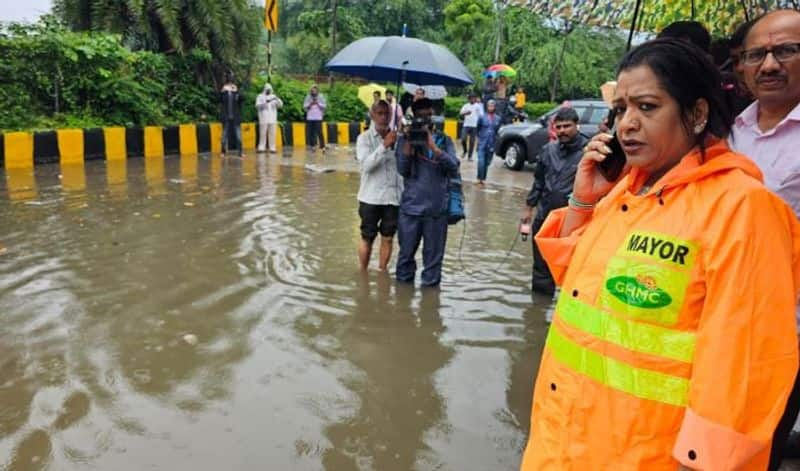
[597,115]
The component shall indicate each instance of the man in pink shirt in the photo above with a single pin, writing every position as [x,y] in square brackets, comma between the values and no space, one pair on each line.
[315,106]
[768,131]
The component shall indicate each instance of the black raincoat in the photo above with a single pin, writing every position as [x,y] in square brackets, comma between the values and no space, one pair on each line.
[552,184]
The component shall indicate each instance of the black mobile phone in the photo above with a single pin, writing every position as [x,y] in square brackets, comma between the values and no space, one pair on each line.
[614,163]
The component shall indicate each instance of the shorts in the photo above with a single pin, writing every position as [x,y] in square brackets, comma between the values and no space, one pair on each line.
[468,131]
[377,218]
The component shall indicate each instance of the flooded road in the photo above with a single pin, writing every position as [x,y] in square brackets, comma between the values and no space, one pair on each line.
[204,313]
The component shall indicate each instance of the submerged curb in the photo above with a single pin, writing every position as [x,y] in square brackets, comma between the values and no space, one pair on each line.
[71,146]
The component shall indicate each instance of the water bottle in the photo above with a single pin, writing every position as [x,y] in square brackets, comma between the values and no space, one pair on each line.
[524,230]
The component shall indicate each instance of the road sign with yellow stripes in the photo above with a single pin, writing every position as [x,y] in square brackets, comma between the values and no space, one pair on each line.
[271,15]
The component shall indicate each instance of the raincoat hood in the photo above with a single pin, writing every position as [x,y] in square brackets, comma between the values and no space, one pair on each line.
[695,166]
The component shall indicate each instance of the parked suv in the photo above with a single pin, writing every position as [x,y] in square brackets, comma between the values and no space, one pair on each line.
[521,142]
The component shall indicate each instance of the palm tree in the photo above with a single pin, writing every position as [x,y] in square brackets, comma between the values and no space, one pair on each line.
[228,29]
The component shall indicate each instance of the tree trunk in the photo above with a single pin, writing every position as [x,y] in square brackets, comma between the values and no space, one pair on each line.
[333,39]
[57,90]
[557,68]
[500,9]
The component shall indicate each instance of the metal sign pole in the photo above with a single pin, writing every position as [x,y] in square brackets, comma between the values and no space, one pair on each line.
[269,56]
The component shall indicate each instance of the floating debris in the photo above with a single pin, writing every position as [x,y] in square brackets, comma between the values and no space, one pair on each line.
[317,168]
[191,339]
[188,204]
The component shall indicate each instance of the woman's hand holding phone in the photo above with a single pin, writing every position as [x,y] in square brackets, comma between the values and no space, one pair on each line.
[590,182]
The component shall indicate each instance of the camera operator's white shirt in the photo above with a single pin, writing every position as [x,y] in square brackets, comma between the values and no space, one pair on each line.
[380,181]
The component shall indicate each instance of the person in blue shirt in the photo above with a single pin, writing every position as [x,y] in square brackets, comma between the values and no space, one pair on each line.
[488,124]
[427,168]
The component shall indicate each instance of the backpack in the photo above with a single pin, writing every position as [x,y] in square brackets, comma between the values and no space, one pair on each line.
[455,205]
[455,199]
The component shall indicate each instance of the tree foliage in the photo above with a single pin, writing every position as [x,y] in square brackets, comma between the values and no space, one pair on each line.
[529,43]
[590,56]
[462,18]
[49,76]
[160,61]
[305,37]
[228,29]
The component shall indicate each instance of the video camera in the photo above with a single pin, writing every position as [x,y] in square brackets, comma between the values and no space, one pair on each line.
[418,129]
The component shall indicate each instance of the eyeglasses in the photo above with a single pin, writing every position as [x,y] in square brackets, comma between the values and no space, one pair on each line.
[782,53]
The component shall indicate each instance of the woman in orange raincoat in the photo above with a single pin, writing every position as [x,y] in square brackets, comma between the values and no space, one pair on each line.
[673,345]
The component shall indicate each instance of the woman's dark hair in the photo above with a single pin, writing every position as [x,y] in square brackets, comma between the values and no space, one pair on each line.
[692,31]
[687,75]
[740,34]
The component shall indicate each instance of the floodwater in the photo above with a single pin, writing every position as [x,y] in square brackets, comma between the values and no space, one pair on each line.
[204,313]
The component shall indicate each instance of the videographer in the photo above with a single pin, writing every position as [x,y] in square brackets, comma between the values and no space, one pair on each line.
[231,101]
[426,159]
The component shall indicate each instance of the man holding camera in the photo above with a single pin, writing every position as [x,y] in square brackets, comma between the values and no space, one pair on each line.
[381,185]
[426,158]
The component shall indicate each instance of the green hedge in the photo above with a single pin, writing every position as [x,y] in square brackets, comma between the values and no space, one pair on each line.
[342,99]
[536,109]
[452,106]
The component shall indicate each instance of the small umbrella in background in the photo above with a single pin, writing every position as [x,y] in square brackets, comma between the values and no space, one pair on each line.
[365,93]
[434,92]
[500,70]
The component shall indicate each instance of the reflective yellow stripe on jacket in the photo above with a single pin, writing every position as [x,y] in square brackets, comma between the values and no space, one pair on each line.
[636,336]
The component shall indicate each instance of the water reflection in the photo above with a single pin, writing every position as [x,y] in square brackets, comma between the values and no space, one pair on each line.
[208,313]
[397,352]
[20,184]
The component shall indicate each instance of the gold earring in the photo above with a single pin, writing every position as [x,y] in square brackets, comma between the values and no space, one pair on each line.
[699,128]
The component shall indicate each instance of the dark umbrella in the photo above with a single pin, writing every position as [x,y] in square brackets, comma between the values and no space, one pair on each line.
[400,59]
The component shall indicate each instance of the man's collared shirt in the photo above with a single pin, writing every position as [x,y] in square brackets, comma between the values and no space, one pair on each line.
[380,182]
[776,151]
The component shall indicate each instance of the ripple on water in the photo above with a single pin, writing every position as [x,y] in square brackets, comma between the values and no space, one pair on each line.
[105,274]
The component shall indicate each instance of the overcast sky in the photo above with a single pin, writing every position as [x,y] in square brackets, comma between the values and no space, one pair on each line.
[19,10]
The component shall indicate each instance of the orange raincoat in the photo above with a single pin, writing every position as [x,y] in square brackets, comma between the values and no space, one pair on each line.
[674,336]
